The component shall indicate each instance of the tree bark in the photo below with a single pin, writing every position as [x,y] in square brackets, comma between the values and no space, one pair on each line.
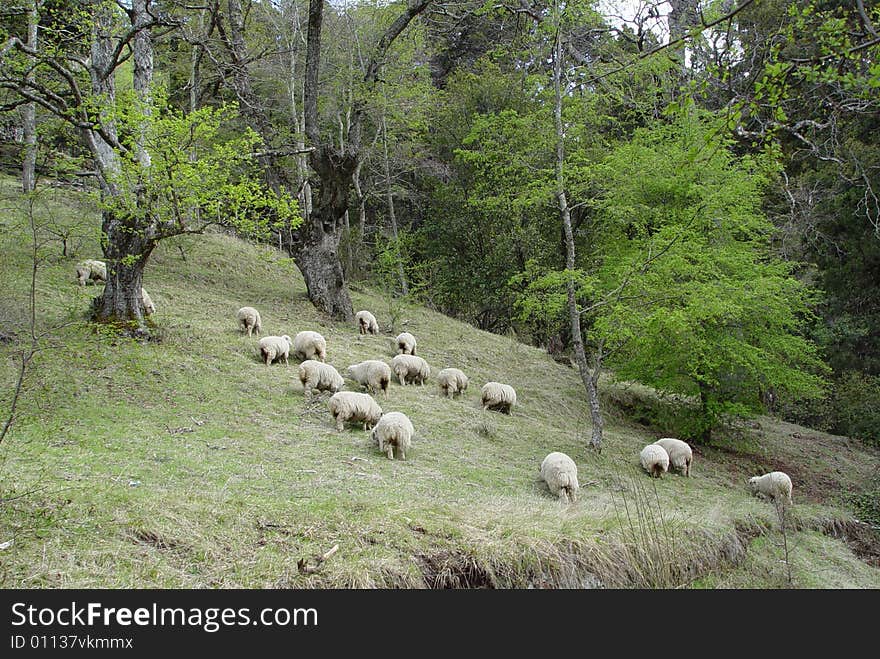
[128,242]
[319,236]
[590,379]
[29,113]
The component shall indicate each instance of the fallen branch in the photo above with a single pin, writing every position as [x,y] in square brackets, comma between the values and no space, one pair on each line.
[304,568]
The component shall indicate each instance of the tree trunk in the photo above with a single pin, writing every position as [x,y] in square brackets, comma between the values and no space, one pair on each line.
[319,237]
[590,379]
[128,243]
[29,114]
[325,282]
[121,304]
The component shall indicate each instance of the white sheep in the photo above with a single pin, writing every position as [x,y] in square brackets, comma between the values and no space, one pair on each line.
[772,485]
[354,406]
[394,430]
[249,320]
[681,455]
[310,345]
[655,460]
[318,375]
[561,475]
[275,347]
[149,307]
[372,374]
[498,397]
[90,271]
[406,343]
[367,323]
[409,368]
[452,382]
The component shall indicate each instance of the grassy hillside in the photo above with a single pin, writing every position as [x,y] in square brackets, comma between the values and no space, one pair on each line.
[186,462]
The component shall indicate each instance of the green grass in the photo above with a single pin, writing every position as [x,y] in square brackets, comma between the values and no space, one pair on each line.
[188,463]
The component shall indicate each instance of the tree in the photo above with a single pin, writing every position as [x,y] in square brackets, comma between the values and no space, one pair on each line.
[141,177]
[708,311]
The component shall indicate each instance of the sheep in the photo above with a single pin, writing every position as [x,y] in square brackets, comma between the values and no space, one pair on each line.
[406,344]
[655,460]
[772,485]
[318,375]
[367,322]
[354,406]
[275,347]
[149,307]
[249,320]
[310,345]
[498,397]
[680,454]
[90,271]
[409,368]
[394,430]
[452,382]
[372,374]
[560,473]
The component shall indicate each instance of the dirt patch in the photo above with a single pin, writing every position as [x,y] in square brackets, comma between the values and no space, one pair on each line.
[446,569]
[152,539]
[860,537]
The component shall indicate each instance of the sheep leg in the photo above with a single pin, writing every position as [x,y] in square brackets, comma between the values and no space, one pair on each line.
[339,422]
[401,453]
[389,450]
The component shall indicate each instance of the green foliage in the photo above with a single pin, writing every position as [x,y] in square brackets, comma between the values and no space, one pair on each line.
[856,406]
[695,304]
[195,175]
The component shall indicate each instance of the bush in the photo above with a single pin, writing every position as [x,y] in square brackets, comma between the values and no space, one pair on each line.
[856,406]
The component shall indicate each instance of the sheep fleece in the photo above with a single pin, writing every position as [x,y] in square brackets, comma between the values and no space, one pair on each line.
[310,345]
[774,484]
[318,375]
[406,343]
[275,347]
[560,473]
[497,396]
[91,270]
[372,374]
[367,323]
[452,382]
[353,406]
[655,460]
[681,455]
[394,430]
[249,320]
[410,368]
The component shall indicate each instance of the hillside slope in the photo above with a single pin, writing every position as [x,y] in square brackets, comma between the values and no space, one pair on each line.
[186,462]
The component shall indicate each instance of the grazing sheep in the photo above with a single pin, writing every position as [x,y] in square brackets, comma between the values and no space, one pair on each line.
[406,344]
[409,368]
[275,347]
[149,307]
[320,376]
[249,320]
[372,374]
[90,271]
[498,397]
[354,406]
[772,485]
[655,460]
[561,475]
[452,382]
[367,322]
[310,345]
[394,430]
[680,454]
